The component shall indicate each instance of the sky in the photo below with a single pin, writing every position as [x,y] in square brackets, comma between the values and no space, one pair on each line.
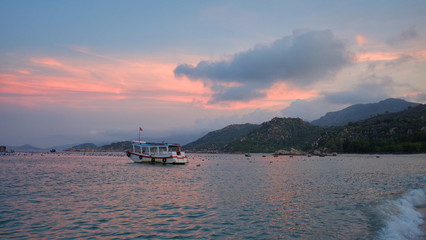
[96,71]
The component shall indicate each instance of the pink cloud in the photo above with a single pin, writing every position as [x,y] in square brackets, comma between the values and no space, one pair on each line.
[420,54]
[80,84]
[361,40]
[46,61]
[109,81]
[283,92]
[21,71]
[390,56]
[377,56]
[72,69]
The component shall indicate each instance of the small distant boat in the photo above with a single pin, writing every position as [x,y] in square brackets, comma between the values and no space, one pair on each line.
[166,153]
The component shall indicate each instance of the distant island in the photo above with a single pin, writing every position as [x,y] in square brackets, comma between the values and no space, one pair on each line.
[113,147]
[85,147]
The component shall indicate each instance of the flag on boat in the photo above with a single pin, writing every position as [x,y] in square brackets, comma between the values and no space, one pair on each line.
[140,129]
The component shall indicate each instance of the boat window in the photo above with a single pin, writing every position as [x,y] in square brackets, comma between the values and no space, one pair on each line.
[163,150]
[154,150]
[145,150]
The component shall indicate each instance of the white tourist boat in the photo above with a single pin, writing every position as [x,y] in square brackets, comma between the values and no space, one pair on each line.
[145,152]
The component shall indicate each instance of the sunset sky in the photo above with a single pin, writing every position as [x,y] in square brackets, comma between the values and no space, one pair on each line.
[95,71]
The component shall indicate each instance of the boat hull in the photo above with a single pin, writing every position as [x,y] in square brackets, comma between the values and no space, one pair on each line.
[160,158]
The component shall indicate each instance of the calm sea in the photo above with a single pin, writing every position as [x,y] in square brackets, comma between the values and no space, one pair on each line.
[106,196]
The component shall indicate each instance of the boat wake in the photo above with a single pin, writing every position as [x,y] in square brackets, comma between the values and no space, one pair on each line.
[402,217]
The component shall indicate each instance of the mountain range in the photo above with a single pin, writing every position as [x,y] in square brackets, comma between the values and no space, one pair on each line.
[391,125]
[362,111]
[397,132]
[24,148]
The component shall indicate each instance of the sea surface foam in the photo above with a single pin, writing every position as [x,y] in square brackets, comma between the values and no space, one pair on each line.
[402,218]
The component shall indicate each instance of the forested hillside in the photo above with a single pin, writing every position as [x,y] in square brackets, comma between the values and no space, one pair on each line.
[277,134]
[216,140]
[402,132]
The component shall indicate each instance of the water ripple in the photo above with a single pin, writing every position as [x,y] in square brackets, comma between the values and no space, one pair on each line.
[76,196]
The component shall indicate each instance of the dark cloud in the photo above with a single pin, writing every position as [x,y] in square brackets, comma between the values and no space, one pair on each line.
[300,59]
[240,93]
[405,36]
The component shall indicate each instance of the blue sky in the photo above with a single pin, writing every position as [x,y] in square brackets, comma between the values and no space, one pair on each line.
[94,71]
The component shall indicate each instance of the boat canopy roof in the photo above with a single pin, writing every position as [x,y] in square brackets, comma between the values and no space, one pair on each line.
[150,144]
